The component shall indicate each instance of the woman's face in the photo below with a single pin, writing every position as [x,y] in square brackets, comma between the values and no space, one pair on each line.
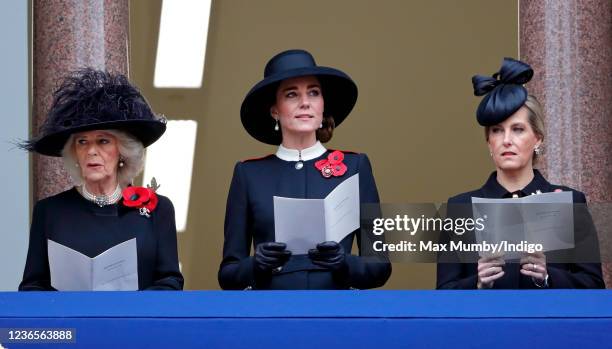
[97,153]
[512,142]
[299,105]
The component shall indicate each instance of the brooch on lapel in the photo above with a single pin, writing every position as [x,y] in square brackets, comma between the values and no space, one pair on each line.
[144,199]
[333,165]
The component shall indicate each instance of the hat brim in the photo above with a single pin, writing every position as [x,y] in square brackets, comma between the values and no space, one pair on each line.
[339,93]
[146,131]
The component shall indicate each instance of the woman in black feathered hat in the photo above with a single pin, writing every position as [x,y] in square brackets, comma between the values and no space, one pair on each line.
[100,124]
[296,106]
[514,131]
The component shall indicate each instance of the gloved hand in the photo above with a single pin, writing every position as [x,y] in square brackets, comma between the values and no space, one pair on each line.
[330,255]
[270,256]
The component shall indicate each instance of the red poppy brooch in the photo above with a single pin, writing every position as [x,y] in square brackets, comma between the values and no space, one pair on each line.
[333,165]
[144,199]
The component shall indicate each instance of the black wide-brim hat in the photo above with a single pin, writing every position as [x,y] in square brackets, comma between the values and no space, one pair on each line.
[146,131]
[90,99]
[339,92]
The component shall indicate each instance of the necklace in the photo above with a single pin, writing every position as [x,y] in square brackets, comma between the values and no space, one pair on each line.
[102,200]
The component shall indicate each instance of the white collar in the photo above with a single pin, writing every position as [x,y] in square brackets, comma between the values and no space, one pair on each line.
[306,154]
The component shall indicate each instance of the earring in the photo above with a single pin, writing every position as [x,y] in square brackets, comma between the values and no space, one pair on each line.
[538,150]
[321,126]
[276,125]
[121,162]
[76,165]
[491,154]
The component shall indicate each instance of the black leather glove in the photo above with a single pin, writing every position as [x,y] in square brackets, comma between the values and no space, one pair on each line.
[330,255]
[270,256]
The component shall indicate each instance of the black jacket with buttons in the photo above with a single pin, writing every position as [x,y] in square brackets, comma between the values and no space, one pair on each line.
[249,220]
[71,220]
[561,275]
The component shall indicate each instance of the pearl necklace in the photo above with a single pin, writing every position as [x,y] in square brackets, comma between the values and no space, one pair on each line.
[102,200]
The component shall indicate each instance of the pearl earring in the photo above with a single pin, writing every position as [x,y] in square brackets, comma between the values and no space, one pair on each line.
[276,125]
[321,126]
[121,162]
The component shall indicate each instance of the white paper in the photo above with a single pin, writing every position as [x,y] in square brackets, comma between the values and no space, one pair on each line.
[300,223]
[551,221]
[546,219]
[303,223]
[342,210]
[115,269]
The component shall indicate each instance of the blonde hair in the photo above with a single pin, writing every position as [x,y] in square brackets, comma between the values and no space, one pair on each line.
[131,151]
[536,116]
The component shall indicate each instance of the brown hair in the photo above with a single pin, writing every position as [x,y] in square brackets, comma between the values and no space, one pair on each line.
[535,117]
[325,133]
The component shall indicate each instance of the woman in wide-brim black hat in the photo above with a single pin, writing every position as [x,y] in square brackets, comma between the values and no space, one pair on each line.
[296,106]
[100,124]
[514,131]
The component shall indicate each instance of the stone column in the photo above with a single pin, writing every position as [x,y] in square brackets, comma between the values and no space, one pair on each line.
[69,35]
[569,45]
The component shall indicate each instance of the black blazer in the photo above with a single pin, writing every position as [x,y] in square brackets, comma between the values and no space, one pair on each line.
[249,220]
[561,275]
[71,220]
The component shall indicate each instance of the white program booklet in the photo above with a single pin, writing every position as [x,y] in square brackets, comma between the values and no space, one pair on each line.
[303,223]
[546,219]
[115,269]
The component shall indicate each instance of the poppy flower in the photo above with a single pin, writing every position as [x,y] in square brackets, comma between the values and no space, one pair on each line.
[140,197]
[335,157]
[333,165]
[321,163]
[152,203]
[338,169]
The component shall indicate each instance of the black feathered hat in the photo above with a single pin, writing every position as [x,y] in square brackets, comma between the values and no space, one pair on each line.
[504,91]
[339,91]
[90,99]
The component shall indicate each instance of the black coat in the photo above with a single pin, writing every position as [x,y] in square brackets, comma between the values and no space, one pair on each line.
[249,220]
[71,220]
[561,275]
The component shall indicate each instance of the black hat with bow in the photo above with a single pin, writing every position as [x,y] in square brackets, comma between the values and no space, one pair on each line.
[504,91]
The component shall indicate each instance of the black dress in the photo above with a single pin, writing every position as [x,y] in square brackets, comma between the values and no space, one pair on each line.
[249,220]
[71,220]
[561,275]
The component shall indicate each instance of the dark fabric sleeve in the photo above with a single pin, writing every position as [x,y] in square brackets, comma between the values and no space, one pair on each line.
[451,273]
[455,276]
[167,275]
[364,273]
[36,275]
[579,275]
[236,270]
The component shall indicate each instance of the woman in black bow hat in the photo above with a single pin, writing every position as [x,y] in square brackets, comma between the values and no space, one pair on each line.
[100,124]
[514,131]
[296,106]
